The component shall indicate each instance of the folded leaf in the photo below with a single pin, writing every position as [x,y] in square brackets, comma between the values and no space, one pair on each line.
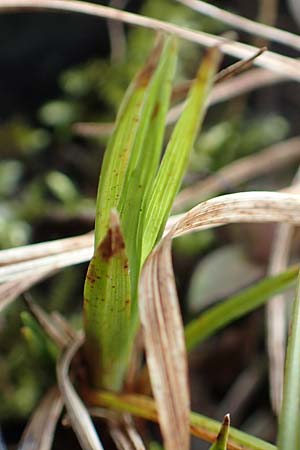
[119,150]
[107,305]
[158,202]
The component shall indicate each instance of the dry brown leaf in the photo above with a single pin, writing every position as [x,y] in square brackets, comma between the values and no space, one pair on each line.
[46,322]
[53,262]
[273,61]
[10,290]
[39,432]
[78,414]
[159,309]
[276,311]
[165,346]
[34,251]
[257,207]
[125,434]
[244,24]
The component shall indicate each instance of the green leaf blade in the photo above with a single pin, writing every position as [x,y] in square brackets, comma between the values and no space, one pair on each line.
[289,427]
[107,308]
[147,152]
[167,182]
[222,438]
[237,306]
[118,154]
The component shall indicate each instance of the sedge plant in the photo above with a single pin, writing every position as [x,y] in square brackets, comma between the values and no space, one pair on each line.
[136,190]
[139,180]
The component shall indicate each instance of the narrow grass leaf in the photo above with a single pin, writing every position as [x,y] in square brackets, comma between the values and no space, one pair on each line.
[165,348]
[39,432]
[222,438]
[289,430]
[107,305]
[158,202]
[120,146]
[237,306]
[146,153]
[200,426]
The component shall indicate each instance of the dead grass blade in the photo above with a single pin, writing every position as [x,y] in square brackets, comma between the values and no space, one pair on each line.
[117,35]
[10,290]
[125,434]
[159,310]
[165,348]
[257,207]
[244,24]
[276,320]
[34,251]
[78,414]
[276,311]
[269,60]
[44,264]
[39,432]
[56,334]
[240,171]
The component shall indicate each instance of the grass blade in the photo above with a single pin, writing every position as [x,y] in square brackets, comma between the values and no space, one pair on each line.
[107,304]
[78,414]
[146,152]
[39,432]
[222,438]
[217,317]
[273,61]
[200,426]
[158,203]
[289,430]
[119,151]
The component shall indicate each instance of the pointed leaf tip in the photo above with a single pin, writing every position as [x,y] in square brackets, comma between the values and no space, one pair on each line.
[145,74]
[222,438]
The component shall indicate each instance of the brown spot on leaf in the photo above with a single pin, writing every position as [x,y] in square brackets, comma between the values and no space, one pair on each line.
[155,110]
[145,75]
[113,243]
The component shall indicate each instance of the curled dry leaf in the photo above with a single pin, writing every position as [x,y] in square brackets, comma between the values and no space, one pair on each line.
[164,340]
[159,309]
[78,414]
[39,432]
